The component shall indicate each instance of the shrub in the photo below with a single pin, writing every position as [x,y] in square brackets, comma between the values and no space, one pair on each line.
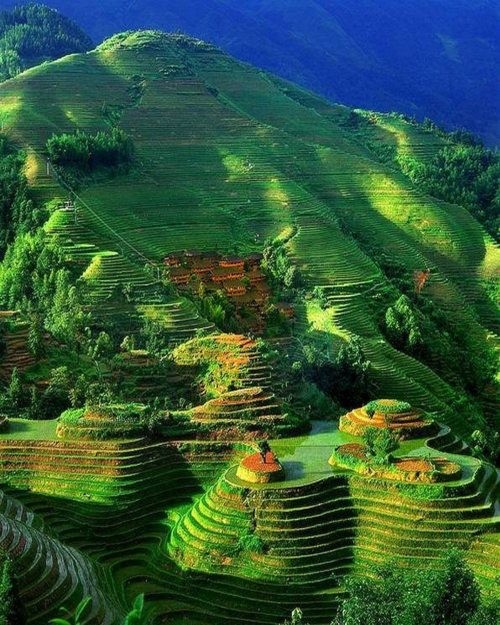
[250,542]
[385,408]
[380,443]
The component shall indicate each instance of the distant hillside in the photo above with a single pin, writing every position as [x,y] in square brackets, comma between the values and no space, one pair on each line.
[32,34]
[431,58]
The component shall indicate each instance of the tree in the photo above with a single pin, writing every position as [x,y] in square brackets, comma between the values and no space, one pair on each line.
[88,152]
[36,343]
[15,390]
[345,376]
[128,343]
[98,394]
[463,172]
[403,325]
[34,33]
[485,443]
[57,394]
[100,350]
[380,443]
[458,593]
[264,449]
[297,618]
[410,596]
[35,408]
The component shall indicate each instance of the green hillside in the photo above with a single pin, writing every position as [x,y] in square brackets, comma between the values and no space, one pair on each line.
[226,158]
[218,258]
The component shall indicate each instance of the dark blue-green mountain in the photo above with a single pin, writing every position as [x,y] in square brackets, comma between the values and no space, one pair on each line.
[433,58]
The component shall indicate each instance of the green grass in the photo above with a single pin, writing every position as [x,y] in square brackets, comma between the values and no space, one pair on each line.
[22,429]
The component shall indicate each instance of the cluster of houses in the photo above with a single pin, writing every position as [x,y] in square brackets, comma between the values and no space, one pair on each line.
[240,279]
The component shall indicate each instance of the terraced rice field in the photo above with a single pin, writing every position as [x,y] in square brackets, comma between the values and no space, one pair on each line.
[227,157]
[167,518]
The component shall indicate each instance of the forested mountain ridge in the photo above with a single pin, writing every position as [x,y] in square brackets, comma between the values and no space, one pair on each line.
[432,58]
[35,33]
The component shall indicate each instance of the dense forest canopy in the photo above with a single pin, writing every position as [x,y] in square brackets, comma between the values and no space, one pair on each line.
[434,58]
[35,33]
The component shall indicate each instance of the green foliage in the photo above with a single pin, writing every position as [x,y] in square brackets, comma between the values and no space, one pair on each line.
[33,279]
[36,343]
[276,323]
[485,443]
[462,173]
[35,408]
[297,618]
[34,33]
[87,152]
[136,615]
[403,325]
[384,408]
[421,492]
[217,308]
[412,597]
[251,542]
[15,392]
[154,337]
[18,214]
[6,591]
[100,349]
[380,443]
[277,264]
[344,377]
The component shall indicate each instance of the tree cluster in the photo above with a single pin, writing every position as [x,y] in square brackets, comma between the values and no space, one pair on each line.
[33,279]
[343,376]
[462,173]
[413,596]
[34,33]
[17,211]
[87,152]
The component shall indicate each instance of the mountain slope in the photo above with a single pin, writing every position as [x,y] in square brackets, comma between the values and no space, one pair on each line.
[130,498]
[434,58]
[226,158]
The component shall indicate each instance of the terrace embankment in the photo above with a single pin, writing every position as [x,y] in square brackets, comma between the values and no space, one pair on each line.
[311,532]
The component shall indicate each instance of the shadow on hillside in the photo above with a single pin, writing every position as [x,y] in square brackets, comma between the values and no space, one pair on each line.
[294,469]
